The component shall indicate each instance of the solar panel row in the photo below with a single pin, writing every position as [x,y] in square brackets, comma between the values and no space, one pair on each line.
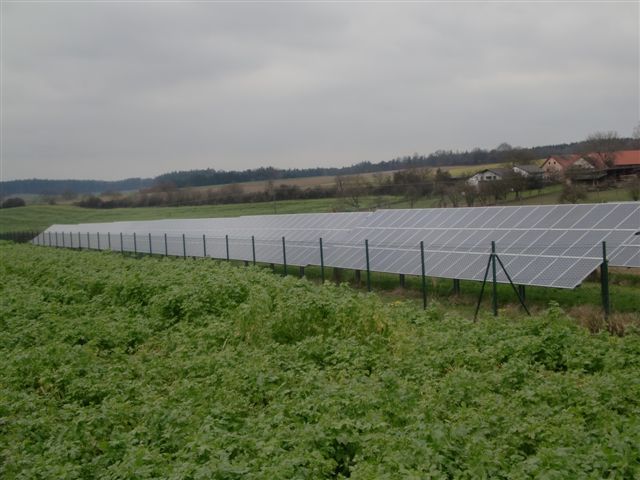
[549,245]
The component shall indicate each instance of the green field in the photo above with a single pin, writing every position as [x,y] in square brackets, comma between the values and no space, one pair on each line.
[116,367]
[39,217]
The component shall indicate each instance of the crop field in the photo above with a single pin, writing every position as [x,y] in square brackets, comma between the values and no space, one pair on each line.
[122,367]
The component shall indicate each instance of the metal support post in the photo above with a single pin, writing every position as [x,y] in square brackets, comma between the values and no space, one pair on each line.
[88,241]
[135,244]
[166,246]
[321,261]
[495,278]
[521,292]
[79,241]
[284,255]
[253,248]
[301,272]
[98,237]
[604,281]
[424,278]
[71,239]
[121,244]
[226,241]
[109,240]
[356,275]
[366,248]
[456,286]
[184,247]
[49,238]
[63,241]
[204,245]
[150,247]
[57,240]
[402,280]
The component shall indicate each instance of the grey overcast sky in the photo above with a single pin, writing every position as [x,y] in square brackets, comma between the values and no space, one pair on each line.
[115,90]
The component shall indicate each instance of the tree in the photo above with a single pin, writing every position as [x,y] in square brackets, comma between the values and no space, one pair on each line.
[520,156]
[573,193]
[601,147]
[634,189]
[504,147]
[13,202]
[454,194]
[496,189]
[351,188]
[441,182]
[470,193]
[416,179]
[516,183]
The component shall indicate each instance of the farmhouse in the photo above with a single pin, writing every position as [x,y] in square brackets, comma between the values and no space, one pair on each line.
[594,166]
[488,175]
[557,165]
[625,162]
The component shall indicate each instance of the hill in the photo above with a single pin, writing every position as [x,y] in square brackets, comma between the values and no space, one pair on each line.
[205,177]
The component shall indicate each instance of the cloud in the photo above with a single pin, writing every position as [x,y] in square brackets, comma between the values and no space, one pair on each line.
[99,90]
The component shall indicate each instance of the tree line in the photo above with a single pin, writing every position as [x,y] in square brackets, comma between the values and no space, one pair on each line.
[503,153]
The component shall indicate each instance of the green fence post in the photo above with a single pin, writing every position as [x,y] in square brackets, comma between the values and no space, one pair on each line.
[88,241]
[49,238]
[226,244]
[71,238]
[98,237]
[424,278]
[604,281]
[121,244]
[284,256]
[63,241]
[184,247]
[366,248]
[495,278]
[150,247]
[253,248]
[321,261]
[204,245]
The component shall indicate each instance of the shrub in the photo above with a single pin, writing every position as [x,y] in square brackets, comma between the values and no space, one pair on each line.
[13,202]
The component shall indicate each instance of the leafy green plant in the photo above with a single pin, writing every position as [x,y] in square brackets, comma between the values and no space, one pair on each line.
[116,367]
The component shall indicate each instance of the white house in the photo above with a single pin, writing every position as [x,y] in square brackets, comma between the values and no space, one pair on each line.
[488,175]
[528,170]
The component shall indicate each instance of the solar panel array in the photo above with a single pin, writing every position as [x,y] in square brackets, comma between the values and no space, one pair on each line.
[548,245]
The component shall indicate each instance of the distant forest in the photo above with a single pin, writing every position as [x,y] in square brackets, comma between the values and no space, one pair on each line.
[191,178]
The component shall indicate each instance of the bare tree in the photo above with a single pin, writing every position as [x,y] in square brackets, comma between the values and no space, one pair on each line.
[470,193]
[351,188]
[601,146]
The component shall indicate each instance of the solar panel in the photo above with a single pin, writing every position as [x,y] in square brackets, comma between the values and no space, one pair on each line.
[540,245]
[548,245]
